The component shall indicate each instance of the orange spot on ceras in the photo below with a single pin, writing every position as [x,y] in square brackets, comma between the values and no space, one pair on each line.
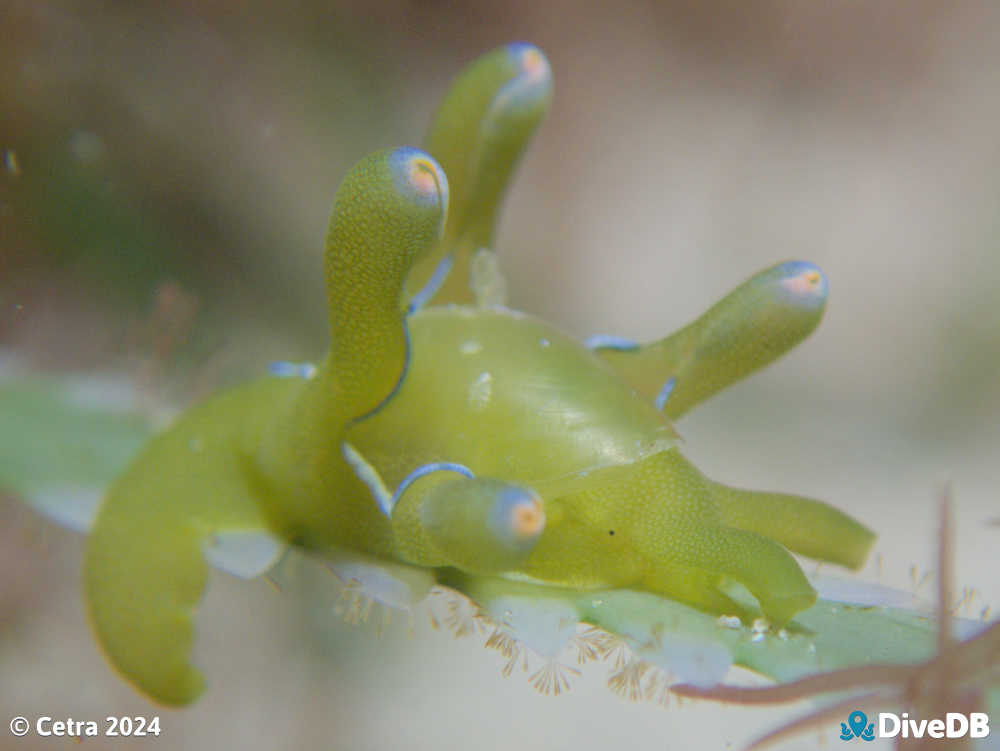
[423,176]
[529,518]
[803,284]
[533,63]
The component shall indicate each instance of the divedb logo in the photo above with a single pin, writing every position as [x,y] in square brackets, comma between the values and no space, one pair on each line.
[954,725]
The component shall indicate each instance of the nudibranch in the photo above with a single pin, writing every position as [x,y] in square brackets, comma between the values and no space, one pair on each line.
[448,439]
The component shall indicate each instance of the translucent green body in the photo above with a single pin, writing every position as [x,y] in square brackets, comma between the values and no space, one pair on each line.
[470,441]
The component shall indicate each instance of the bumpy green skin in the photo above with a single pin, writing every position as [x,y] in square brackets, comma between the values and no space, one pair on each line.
[577,480]
[478,134]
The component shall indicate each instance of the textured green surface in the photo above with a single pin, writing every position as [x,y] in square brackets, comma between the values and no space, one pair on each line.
[530,412]
[478,135]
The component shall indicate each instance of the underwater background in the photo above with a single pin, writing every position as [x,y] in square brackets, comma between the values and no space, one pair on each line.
[167,175]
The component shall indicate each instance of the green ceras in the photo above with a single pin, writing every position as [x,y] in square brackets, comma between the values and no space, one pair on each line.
[469,439]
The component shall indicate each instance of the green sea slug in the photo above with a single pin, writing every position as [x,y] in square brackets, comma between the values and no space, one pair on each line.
[446,438]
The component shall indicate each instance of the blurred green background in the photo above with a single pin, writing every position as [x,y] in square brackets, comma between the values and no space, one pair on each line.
[167,172]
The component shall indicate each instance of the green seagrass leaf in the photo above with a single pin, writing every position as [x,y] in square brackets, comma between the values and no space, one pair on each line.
[63,440]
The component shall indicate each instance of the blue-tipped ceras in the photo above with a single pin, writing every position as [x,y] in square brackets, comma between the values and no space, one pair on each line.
[467,443]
